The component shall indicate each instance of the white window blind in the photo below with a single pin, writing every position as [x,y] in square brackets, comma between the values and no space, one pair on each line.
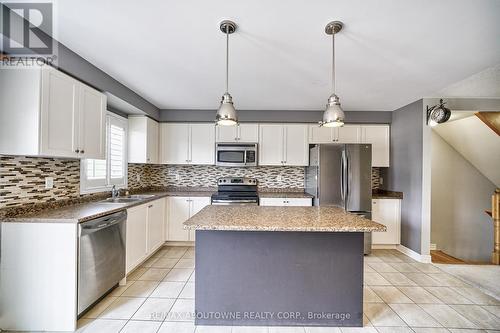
[101,175]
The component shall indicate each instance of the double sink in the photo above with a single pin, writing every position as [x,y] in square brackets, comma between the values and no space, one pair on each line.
[128,199]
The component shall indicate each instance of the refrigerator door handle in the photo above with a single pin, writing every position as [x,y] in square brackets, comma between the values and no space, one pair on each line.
[348,179]
[342,176]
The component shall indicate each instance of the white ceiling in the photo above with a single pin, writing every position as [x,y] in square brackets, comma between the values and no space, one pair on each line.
[390,53]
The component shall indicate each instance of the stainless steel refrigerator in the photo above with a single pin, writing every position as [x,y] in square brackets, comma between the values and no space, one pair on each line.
[341,175]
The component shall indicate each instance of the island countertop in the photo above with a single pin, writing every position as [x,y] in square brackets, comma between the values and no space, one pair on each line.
[267,218]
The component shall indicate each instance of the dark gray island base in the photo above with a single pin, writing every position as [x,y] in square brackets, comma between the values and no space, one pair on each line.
[279,278]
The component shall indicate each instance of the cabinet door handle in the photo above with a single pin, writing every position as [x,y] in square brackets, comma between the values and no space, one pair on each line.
[150,206]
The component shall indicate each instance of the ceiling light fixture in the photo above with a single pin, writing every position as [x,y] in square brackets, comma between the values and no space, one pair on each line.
[226,115]
[438,114]
[333,115]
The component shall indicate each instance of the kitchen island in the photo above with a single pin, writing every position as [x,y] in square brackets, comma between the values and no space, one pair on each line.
[279,265]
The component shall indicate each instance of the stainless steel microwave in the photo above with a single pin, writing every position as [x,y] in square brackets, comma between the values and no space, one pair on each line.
[236,154]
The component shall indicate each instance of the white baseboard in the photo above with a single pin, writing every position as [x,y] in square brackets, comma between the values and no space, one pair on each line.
[414,255]
[179,243]
[384,246]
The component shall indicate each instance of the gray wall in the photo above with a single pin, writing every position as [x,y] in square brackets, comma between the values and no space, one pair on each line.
[405,173]
[382,117]
[460,195]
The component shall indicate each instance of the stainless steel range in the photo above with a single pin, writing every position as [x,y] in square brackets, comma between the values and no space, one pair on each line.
[236,191]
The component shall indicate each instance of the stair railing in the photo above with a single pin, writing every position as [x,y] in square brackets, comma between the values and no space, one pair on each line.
[495,215]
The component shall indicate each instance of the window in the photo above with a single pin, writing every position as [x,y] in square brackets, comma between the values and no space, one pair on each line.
[101,175]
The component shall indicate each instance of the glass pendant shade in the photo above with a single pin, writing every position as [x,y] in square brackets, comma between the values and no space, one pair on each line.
[333,115]
[226,115]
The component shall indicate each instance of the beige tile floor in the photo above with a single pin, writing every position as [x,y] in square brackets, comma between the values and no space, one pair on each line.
[400,296]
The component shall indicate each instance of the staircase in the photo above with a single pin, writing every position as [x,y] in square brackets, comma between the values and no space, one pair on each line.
[476,136]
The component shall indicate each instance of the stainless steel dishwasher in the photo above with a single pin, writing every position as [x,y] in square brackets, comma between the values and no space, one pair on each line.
[101,257]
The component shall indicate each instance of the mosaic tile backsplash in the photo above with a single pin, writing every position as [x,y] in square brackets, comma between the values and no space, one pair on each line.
[207,175]
[22,179]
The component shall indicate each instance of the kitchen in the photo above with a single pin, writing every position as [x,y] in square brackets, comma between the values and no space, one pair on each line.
[109,204]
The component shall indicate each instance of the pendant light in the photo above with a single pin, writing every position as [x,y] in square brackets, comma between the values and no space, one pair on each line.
[226,115]
[333,115]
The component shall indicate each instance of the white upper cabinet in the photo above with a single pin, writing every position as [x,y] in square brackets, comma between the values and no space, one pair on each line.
[143,140]
[296,145]
[202,141]
[281,144]
[52,115]
[59,116]
[245,133]
[320,134]
[92,123]
[187,143]
[344,134]
[379,137]
[271,144]
[174,143]
[348,134]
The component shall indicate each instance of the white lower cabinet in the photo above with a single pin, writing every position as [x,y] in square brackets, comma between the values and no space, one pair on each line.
[388,213]
[156,224]
[179,210]
[286,202]
[145,232]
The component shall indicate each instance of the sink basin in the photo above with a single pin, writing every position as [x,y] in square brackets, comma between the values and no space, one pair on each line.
[131,198]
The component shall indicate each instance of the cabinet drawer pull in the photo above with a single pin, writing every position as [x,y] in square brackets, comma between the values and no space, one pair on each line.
[150,206]
[82,152]
[77,151]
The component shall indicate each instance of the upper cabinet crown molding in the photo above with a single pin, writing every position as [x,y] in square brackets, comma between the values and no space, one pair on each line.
[184,143]
[143,139]
[52,115]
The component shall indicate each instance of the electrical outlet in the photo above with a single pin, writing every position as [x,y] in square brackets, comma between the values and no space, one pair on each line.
[138,178]
[279,178]
[381,181]
[177,177]
[49,182]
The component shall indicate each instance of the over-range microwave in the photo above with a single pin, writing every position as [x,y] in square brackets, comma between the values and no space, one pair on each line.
[236,154]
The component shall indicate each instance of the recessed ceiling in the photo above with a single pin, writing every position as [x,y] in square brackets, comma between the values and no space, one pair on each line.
[390,52]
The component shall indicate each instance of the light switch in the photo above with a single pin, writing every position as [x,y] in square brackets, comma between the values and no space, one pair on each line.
[49,182]
[279,178]
[138,178]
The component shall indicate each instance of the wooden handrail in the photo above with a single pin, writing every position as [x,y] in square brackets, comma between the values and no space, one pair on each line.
[495,215]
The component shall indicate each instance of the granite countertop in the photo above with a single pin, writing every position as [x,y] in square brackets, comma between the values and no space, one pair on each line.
[265,218]
[81,212]
[384,194]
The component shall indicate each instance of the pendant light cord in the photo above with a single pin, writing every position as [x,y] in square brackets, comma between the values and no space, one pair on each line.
[227,59]
[333,62]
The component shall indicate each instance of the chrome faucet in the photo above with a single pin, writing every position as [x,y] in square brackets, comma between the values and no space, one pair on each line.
[114,192]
